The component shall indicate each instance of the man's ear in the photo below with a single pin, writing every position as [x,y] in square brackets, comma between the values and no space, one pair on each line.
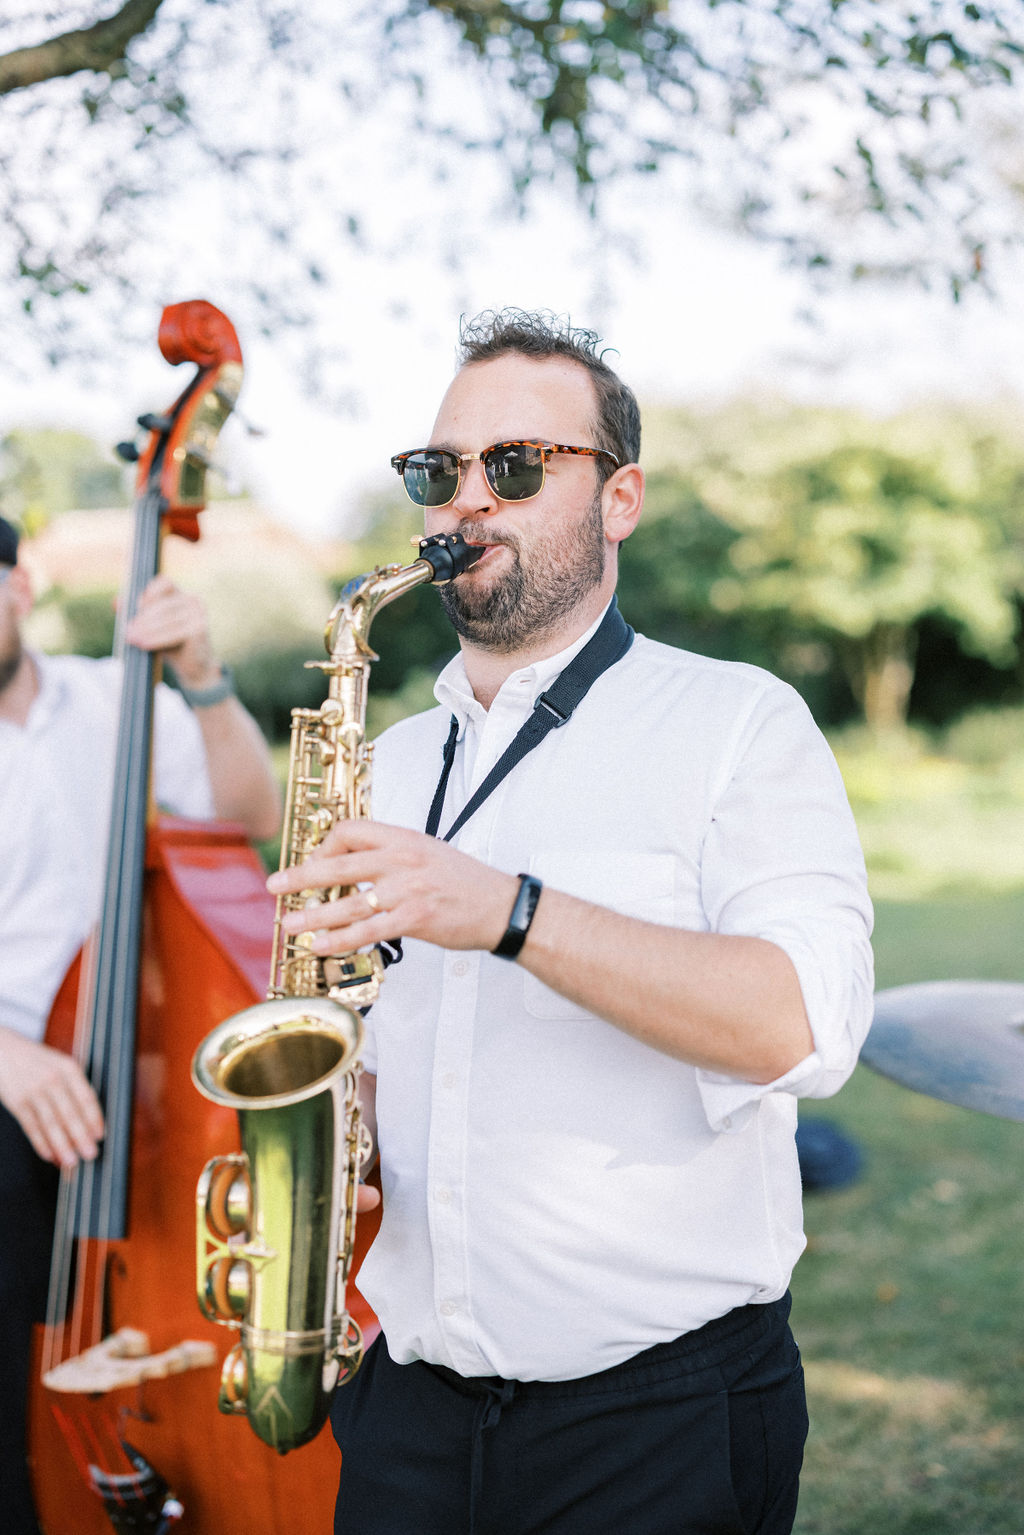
[19,583]
[622,501]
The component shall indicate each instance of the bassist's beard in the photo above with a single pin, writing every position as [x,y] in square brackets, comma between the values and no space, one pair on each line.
[10,662]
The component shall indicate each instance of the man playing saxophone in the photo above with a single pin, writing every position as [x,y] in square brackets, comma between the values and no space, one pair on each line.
[647,939]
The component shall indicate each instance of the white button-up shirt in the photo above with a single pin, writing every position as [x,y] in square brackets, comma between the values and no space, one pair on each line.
[557,1195]
[56,783]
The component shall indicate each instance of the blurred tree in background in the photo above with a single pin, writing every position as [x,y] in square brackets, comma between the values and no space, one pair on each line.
[840,541]
[85,621]
[44,471]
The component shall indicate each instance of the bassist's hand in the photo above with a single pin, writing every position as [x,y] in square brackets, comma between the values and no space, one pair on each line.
[174,624]
[51,1098]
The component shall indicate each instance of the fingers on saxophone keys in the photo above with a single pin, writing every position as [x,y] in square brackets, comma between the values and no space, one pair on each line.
[320,870]
[329,924]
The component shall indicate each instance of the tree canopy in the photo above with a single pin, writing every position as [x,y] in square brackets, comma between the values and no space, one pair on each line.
[862,136]
[832,529]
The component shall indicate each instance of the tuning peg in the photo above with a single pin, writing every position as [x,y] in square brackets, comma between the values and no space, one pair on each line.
[129,451]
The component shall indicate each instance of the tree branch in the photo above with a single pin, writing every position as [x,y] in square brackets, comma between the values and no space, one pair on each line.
[95,48]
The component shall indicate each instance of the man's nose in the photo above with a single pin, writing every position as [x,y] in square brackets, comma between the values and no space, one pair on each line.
[475,494]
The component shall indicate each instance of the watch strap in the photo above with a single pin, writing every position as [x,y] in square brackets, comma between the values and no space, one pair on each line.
[522,915]
[608,644]
[203,698]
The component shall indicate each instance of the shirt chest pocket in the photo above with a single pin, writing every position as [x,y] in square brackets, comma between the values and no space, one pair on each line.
[635,884]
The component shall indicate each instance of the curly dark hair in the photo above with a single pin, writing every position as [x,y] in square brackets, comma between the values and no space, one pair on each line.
[541,334]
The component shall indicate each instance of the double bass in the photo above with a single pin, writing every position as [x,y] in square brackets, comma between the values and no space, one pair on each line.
[123,1431]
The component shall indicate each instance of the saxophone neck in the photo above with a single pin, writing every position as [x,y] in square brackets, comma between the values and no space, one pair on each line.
[347,631]
[442,558]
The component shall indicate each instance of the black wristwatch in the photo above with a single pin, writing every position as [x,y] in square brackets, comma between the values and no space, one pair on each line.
[522,915]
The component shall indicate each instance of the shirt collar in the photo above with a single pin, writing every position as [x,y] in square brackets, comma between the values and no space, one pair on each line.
[453,692]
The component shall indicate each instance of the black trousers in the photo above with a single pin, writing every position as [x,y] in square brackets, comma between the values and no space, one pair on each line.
[701,1436]
[28,1197]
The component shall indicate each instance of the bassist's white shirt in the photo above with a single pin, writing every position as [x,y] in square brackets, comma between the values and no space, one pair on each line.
[56,782]
[557,1195]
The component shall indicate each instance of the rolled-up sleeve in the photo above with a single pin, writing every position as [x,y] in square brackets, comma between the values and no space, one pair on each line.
[782,861]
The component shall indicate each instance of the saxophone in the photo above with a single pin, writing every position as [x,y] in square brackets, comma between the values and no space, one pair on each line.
[276,1221]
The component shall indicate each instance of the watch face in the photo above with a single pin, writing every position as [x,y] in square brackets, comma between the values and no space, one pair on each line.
[522,915]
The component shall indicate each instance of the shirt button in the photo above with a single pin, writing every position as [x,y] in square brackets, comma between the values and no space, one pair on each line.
[447,1308]
[449,1079]
[460,967]
[443,1196]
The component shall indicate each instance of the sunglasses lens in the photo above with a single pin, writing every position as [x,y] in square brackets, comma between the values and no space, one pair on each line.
[515,470]
[431,479]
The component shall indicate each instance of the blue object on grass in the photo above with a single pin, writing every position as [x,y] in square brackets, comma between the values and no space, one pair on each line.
[828,1158]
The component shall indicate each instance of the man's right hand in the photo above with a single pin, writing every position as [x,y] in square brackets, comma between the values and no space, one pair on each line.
[51,1098]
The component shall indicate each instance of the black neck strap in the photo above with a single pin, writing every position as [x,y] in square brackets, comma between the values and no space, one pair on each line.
[607,644]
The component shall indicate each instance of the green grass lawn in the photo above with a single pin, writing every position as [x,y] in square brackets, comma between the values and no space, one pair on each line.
[949,938]
[908,1301]
[907,1307]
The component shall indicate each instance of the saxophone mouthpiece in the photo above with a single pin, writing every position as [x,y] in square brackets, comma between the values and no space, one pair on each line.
[449,555]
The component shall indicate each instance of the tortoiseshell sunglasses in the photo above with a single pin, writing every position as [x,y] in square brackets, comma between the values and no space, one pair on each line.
[514,470]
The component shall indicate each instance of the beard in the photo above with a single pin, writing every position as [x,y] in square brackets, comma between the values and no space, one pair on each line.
[10,661]
[536,593]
